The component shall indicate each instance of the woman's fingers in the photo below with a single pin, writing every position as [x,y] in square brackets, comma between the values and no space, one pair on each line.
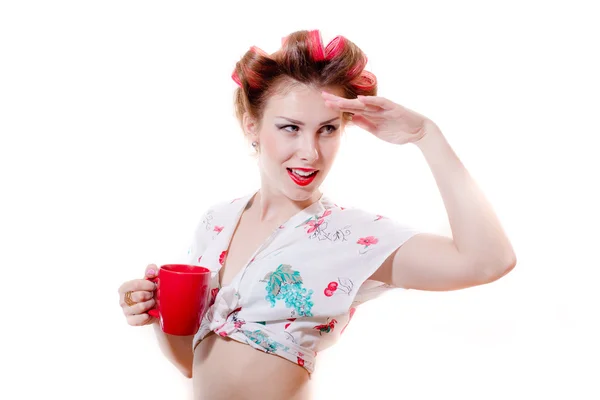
[355,108]
[141,296]
[141,289]
[139,320]
[377,101]
[138,296]
[136,285]
[369,103]
[364,123]
[139,308]
[151,270]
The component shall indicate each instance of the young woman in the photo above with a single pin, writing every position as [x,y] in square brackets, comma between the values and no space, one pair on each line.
[289,265]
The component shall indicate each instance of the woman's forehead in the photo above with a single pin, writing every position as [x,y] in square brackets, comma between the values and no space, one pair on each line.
[301,99]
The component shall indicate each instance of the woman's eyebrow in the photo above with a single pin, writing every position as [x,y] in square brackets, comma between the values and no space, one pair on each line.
[302,123]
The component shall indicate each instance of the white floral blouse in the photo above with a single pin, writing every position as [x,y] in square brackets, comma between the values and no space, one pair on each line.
[301,287]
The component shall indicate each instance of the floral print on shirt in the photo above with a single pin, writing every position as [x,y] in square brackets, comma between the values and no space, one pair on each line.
[316,227]
[313,277]
[366,242]
[328,327]
[286,284]
[264,341]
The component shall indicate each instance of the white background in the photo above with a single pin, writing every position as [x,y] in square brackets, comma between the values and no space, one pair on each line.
[117,131]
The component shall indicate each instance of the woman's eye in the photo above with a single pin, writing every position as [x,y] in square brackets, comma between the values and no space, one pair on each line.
[331,128]
[294,128]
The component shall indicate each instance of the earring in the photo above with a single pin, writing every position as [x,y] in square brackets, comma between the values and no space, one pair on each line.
[255,145]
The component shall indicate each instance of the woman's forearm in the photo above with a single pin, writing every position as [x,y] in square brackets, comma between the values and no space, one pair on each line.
[476,230]
[177,349]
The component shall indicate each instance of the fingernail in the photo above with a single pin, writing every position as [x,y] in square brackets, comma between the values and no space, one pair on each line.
[151,272]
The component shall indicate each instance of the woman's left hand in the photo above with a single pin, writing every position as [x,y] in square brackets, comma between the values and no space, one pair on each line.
[383,118]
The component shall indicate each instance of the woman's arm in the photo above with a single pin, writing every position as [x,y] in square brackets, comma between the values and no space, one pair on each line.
[177,349]
[478,252]
[476,230]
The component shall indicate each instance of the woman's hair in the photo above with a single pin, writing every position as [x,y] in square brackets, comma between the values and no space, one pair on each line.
[302,59]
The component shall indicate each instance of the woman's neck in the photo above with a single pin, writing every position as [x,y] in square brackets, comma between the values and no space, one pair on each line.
[278,208]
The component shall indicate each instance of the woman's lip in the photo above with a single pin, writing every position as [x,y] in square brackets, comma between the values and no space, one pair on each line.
[301,181]
[305,169]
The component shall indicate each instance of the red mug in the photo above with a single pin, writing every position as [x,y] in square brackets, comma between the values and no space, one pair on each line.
[182,295]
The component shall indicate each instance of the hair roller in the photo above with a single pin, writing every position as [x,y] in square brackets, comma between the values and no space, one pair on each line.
[259,51]
[358,67]
[366,81]
[302,59]
[315,45]
[253,57]
[252,77]
[335,47]
[236,78]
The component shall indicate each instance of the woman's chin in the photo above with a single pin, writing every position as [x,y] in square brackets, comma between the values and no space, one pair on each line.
[299,193]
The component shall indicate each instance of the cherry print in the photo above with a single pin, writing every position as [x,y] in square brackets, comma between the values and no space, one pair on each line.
[222,257]
[332,286]
[328,293]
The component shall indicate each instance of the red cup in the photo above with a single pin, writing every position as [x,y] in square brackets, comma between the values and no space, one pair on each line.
[182,295]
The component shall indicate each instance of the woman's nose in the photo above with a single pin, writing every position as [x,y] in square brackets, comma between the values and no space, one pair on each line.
[308,150]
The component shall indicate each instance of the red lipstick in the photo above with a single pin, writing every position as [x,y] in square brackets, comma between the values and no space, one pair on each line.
[302,180]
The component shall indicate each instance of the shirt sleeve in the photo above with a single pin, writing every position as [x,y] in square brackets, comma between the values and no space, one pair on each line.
[375,239]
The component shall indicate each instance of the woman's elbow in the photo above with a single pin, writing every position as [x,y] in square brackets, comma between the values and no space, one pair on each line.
[186,372]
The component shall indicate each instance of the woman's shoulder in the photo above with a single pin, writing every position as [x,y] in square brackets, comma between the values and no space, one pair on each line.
[351,213]
[365,220]
[228,205]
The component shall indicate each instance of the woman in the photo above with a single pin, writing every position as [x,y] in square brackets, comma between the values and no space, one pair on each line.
[289,265]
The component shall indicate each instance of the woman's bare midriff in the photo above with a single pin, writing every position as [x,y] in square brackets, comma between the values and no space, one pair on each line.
[227,369]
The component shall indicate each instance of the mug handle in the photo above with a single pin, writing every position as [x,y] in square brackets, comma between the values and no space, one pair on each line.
[153,312]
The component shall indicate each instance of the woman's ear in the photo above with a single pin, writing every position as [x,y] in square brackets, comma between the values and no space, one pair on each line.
[250,126]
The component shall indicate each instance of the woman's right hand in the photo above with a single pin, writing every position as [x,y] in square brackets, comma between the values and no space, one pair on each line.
[143,294]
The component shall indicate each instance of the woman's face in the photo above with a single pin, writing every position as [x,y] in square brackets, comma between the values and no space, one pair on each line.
[298,140]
